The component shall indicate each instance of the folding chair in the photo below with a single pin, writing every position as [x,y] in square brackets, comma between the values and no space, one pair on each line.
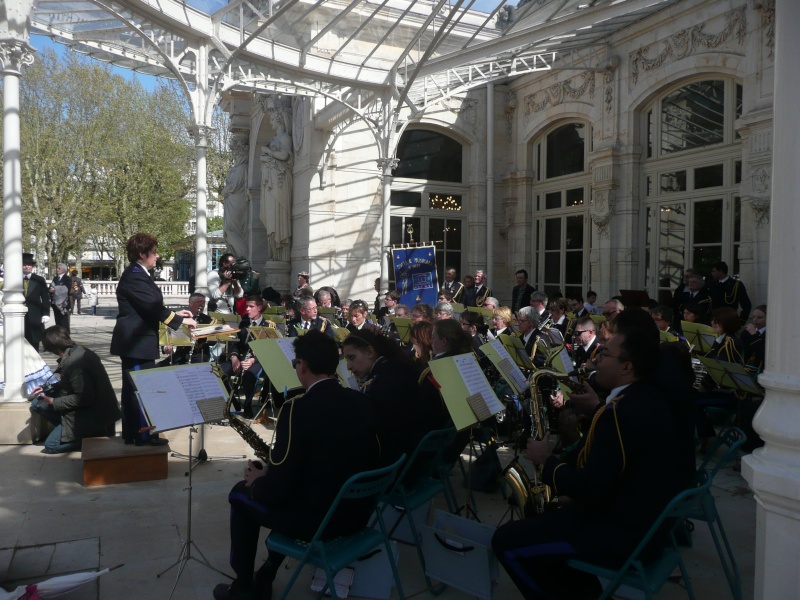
[650,577]
[334,555]
[416,485]
[733,438]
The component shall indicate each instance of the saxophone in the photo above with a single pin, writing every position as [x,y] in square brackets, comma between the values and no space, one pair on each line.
[260,448]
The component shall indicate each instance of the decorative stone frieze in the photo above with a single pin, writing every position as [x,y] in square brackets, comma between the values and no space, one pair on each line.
[601,210]
[767,10]
[509,211]
[561,92]
[686,42]
[510,111]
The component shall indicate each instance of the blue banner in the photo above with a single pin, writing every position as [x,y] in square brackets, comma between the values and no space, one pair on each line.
[415,275]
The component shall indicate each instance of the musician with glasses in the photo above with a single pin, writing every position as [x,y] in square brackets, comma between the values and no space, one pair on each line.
[322,438]
[617,479]
[612,309]
[585,341]
[308,319]
[539,303]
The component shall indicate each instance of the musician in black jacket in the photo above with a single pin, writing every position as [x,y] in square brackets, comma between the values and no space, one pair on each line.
[729,292]
[321,439]
[199,352]
[37,299]
[241,361]
[308,319]
[521,294]
[135,336]
[619,479]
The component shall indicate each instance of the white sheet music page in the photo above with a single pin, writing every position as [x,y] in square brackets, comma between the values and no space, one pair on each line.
[476,382]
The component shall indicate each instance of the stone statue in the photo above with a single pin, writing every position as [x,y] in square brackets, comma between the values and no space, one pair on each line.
[235,197]
[277,162]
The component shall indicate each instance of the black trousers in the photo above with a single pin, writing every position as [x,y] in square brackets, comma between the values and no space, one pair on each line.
[534,552]
[62,319]
[132,416]
[249,379]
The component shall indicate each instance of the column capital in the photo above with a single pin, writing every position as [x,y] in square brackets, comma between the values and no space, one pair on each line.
[386,165]
[200,134]
[14,54]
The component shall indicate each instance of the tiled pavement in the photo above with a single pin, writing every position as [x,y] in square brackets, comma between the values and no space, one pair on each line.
[50,524]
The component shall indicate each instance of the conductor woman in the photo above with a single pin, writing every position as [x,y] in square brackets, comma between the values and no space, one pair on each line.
[135,337]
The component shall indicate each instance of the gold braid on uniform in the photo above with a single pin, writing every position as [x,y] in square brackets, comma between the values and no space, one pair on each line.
[584,453]
[425,372]
[289,442]
[325,323]
[731,299]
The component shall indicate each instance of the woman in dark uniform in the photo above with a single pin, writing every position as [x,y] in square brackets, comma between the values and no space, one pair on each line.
[135,337]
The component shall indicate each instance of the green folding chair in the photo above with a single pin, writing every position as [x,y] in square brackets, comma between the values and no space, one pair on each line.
[334,555]
[650,577]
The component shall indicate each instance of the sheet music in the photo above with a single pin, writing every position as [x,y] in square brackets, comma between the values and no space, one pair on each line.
[508,367]
[345,376]
[287,347]
[476,382]
[170,395]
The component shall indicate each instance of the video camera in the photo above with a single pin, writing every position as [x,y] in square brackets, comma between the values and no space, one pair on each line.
[50,389]
[240,268]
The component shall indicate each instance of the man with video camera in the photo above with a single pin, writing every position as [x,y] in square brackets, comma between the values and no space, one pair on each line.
[223,285]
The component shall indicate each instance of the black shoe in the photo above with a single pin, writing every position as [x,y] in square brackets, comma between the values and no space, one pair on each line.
[153,441]
[262,582]
[235,591]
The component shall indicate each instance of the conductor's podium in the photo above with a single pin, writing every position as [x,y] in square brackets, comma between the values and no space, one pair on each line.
[107,461]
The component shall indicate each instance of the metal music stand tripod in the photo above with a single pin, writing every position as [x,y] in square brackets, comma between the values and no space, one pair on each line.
[186,550]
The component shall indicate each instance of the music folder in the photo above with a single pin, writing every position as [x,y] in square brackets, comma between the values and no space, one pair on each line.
[731,376]
[504,363]
[466,392]
[700,336]
[275,356]
[180,396]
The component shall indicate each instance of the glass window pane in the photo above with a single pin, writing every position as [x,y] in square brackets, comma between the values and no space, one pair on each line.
[552,267]
[409,199]
[737,219]
[705,257]
[552,200]
[552,234]
[737,172]
[574,233]
[672,226]
[398,230]
[573,267]
[444,201]
[565,150]
[693,116]
[705,177]
[708,222]
[649,134]
[575,197]
[649,185]
[673,182]
[670,267]
[429,155]
[573,291]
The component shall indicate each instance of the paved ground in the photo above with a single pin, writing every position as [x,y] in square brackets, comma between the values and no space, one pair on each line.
[51,525]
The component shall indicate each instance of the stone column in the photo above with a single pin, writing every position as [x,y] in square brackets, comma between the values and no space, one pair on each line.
[774,470]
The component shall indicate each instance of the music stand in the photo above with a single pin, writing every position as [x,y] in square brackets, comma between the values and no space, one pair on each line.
[700,337]
[732,376]
[196,396]
[634,297]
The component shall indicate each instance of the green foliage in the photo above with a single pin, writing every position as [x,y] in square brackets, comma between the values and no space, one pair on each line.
[102,159]
[214,224]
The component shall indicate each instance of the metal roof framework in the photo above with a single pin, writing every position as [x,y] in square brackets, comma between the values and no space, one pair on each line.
[371,58]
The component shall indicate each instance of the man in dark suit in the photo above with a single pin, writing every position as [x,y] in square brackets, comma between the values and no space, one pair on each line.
[292,495]
[181,355]
[37,299]
[135,336]
[482,291]
[584,340]
[452,285]
[308,319]
[521,294]
[59,292]
[240,360]
[619,478]
[729,292]
[693,292]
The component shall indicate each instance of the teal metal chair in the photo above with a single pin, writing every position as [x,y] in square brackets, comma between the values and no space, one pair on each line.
[416,485]
[650,577]
[334,555]
[731,439]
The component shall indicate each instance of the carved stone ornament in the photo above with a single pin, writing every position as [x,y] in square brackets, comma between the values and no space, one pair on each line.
[298,123]
[767,9]
[509,211]
[601,210]
[467,106]
[608,83]
[14,55]
[760,206]
[391,163]
[685,42]
[761,180]
[509,111]
[560,92]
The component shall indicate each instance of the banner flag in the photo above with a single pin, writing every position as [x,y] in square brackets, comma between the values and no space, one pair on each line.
[415,274]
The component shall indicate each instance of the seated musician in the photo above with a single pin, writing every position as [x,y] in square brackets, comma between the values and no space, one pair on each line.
[200,352]
[321,439]
[241,361]
[527,323]
[662,315]
[558,308]
[617,479]
[422,312]
[358,319]
[308,319]
[584,340]
[754,338]
[472,322]
[501,319]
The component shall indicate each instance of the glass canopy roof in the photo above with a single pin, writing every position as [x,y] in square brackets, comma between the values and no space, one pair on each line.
[421,51]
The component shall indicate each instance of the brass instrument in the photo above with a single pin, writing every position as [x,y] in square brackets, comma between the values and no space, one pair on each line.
[260,448]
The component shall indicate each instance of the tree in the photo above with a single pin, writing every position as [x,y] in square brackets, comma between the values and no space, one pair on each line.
[101,159]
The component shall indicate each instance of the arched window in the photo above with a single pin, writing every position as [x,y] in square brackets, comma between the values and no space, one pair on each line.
[429,198]
[561,228]
[691,177]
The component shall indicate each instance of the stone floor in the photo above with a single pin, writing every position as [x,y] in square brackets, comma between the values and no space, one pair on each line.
[51,525]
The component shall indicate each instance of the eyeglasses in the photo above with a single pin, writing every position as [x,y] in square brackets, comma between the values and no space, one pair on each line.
[576,332]
[610,313]
[604,353]
[295,362]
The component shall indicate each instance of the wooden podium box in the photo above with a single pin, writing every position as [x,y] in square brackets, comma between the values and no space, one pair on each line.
[107,461]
